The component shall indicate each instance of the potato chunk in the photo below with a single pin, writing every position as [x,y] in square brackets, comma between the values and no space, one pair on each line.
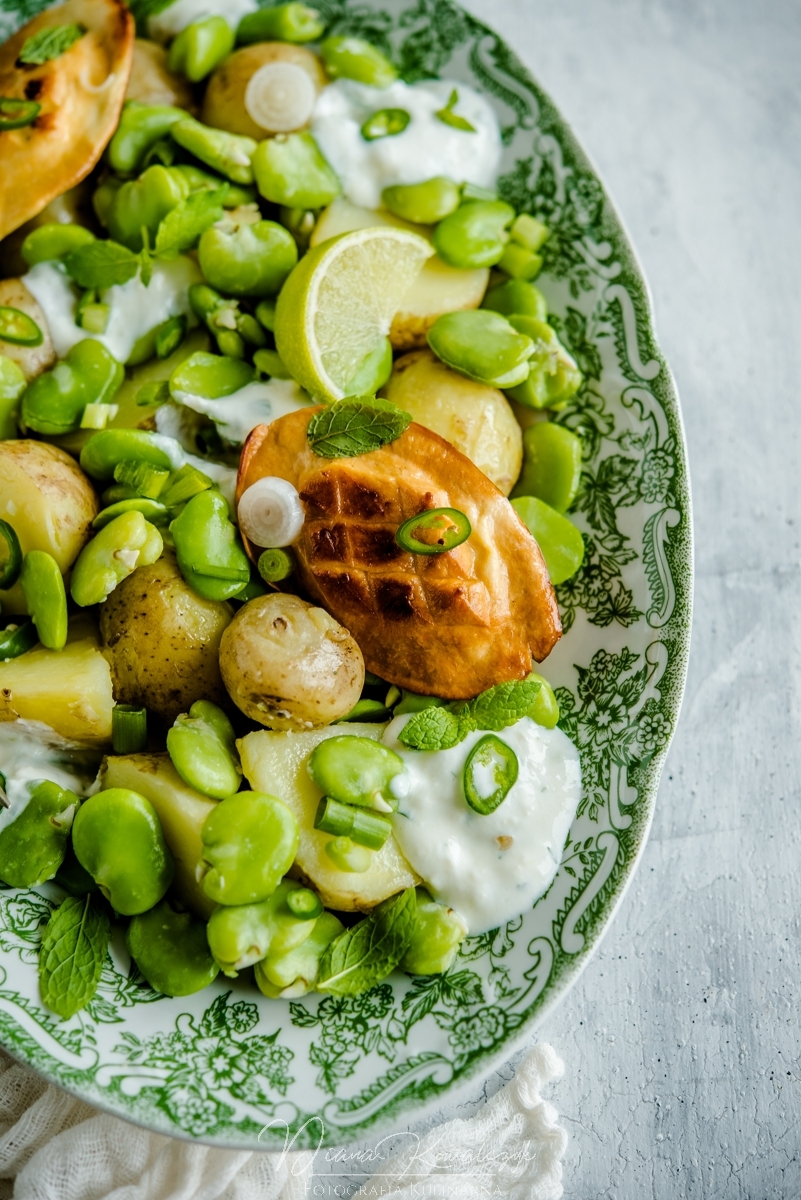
[181,811]
[276,763]
[152,82]
[474,417]
[31,360]
[69,689]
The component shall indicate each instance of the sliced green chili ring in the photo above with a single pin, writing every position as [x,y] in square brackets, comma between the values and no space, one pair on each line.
[10,556]
[434,532]
[16,114]
[304,903]
[128,729]
[387,122]
[18,328]
[17,641]
[486,754]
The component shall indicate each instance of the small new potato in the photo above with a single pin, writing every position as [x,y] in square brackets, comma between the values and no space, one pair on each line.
[31,360]
[224,102]
[152,82]
[162,640]
[289,665]
[474,417]
[49,502]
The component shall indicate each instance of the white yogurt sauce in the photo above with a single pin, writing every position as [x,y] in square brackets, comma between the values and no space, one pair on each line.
[255,404]
[427,146]
[30,750]
[457,851]
[135,309]
[172,20]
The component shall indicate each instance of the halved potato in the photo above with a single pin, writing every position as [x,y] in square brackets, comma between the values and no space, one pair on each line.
[31,360]
[180,809]
[80,93]
[276,763]
[438,288]
[69,689]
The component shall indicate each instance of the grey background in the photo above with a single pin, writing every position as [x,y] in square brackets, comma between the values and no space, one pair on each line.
[681,1039]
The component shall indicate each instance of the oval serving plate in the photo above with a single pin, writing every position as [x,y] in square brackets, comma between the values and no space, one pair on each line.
[230,1067]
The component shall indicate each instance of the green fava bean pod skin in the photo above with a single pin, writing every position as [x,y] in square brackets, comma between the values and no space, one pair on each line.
[209,549]
[228,153]
[242,935]
[106,449]
[127,542]
[294,973]
[355,770]
[201,47]
[516,297]
[202,747]
[551,465]
[475,235]
[50,242]
[171,950]
[290,170]
[482,345]
[33,845]
[438,933]
[558,538]
[140,127]
[43,588]
[354,58]
[254,260]
[144,202]
[423,203]
[118,839]
[249,843]
[54,402]
[294,22]
[12,386]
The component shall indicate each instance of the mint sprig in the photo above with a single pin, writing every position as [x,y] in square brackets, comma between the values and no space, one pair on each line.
[363,955]
[72,953]
[50,43]
[102,264]
[181,228]
[496,709]
[355,426]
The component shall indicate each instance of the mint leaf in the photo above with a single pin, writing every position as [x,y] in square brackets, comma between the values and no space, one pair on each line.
[504,704]
[72,954]
[449,117]
[433,729]
[354,426]
[50,43]
[101,264]
[363,955]
[496,709]
[181,228]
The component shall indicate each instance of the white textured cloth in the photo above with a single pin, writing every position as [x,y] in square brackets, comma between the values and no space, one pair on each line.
[53,1147]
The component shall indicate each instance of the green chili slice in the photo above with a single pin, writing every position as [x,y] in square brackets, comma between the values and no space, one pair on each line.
[489,774]
[18,328]
[304,903]
[15,114]
[387,122]
[10,556]
[17,640]
[434,532]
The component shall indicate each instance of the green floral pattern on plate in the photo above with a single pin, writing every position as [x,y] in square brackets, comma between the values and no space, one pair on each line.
[233,1068]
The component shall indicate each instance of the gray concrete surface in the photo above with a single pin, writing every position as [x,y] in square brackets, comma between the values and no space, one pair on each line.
[681,1040]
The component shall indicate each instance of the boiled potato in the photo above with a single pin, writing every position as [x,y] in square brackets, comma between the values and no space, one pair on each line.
[181,811]
[224,102]
[438,288]
[290,665]
[48,500]
[32,360]
[69,689]
[162,641]
[474,417]
[71,208]
[152,82]
[276,763]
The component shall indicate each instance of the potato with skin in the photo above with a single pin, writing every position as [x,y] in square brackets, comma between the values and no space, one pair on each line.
[224,101]
[152,82]
[162,641]
[49,502]
[474,417]
[289,665]
[31,360]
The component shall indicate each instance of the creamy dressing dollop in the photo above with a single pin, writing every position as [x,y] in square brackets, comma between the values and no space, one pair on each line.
[134,308]
[31,751]
[174,19]
[427,146]
[488,868]
[255,404]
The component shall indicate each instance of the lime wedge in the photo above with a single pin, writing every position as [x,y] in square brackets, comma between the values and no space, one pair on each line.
[336,308]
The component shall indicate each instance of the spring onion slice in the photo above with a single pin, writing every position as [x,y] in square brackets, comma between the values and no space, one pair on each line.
[276,564]
[434,532]
[364,827]
[128,729]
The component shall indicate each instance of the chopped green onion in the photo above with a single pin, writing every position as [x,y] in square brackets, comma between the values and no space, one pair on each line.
[169,336]
[347,856]
[528,231]
[10,556]
[184,483]
[157,391]
[18,328]
[93,317]
[145,479]
[471,191]
[15,114]
[304,903]
[519,262]
[362,825]
[387,122]
[17,639]
[275,565]
[128,729]
[434,532]
[97,416]
[489,774]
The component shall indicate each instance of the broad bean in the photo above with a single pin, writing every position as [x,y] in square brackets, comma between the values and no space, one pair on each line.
[33,844]
[293,22]
[242,935]
[118,839]
[516,297]
[545,709]
[482,345]
[54,402]
[54,241]
[551,465]
[294,973]
[475,235]
[201,47]
[553,374]
[354,58]
[356,770]
[171,950]
[202,746]
[290,170]
[249,843]
[141,127]
[209,549]
[424,203]
[209,375]
[558,538]
[43,588]
[438,933]
[127,542]
[143,203]
[228,153]
[251,260]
